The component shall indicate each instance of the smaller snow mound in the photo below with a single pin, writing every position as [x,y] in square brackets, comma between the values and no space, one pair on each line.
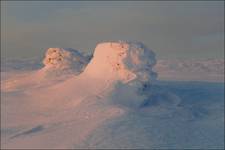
[61,59]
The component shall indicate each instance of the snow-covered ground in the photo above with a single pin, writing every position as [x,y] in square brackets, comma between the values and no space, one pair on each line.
[112,100]
[190,70]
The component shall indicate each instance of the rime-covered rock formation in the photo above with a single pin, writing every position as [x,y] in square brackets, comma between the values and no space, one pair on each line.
[123,61]
[64,59]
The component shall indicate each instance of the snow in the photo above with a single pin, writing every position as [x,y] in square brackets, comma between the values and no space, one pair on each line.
[122,60]
[60,59]
[59,64]
[190,70]
[113,100]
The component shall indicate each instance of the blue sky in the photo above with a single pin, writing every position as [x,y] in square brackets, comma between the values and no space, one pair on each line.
[172,29]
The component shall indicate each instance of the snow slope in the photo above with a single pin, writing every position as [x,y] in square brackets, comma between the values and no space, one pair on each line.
[59,64]
[115,102]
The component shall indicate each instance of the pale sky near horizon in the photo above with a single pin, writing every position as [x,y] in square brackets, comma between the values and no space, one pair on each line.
[172,29]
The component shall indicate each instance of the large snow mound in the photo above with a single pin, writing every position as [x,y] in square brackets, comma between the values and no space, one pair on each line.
[124,61]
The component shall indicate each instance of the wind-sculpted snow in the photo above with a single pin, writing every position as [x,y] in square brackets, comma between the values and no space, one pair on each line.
[110,101]
[178,115]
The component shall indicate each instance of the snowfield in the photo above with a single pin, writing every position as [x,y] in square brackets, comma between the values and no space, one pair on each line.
[112,99]
[190,70]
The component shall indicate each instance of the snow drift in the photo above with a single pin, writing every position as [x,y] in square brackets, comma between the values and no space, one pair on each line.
[59,64]
[113,64]
[126,67]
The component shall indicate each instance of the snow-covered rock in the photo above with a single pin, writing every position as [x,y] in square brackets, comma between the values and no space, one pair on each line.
[124,61]
[64,59]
